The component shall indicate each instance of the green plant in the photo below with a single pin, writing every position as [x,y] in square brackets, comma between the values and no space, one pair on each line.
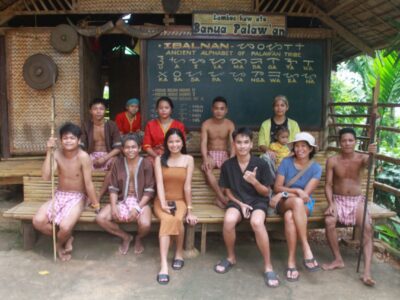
[390,233]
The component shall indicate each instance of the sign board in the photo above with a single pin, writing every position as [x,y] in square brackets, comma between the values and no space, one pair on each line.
[248,73]
[237,24]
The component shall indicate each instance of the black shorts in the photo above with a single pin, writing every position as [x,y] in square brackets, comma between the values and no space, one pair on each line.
[255,205]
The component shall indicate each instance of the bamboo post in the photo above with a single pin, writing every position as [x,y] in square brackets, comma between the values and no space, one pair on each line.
[371,162]
[53,108]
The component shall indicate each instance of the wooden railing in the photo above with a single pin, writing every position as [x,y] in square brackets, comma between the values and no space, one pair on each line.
[333,134]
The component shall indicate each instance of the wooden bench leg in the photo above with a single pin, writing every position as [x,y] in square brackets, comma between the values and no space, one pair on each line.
[203,238]
[190,250]
[29,235]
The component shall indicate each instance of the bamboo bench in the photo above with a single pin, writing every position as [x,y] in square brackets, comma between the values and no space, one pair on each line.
[211,217]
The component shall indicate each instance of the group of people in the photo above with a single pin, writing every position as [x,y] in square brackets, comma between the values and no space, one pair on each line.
[283,179]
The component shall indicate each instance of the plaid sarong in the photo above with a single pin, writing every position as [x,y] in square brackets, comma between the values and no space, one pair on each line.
[125,207]
[97,155]
[64,202]
[347,207]
[219,157]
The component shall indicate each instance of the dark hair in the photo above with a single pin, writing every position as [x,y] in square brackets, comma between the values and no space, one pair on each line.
[131,137]
[220,99]
[243,131]
[280,131]
[98,101]
[166,99]
[311,154]
[69,127]
[347,130]
[280,98]
[167,153]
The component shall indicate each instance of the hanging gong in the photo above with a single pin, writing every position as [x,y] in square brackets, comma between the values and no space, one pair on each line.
[170,6]
[40,71]
[64,38]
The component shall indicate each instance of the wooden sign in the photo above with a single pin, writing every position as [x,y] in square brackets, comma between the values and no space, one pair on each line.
[236,24]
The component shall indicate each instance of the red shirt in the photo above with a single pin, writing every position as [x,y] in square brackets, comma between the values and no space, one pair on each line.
[154,133]
[125,126]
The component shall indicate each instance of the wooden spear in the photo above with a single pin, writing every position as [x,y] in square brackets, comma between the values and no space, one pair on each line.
[371,163]
[53,117]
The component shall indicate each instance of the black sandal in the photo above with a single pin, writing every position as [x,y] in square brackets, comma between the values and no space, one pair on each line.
[312,260]
[226,264]
[177,264]
[163,279]
[268,276]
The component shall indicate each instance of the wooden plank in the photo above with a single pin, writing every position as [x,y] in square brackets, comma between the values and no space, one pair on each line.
[387,188]
[350,115]
[350,104]
[392,129]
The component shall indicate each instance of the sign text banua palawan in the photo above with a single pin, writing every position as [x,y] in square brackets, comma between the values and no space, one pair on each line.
[238,24]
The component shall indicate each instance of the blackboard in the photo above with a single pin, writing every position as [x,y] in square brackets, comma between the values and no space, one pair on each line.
[248,73]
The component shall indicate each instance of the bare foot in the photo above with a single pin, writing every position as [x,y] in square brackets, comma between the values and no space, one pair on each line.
[61,254]
[68,246]
[336,264]
[367,280]
[123,249]
[220,203]
[138,247]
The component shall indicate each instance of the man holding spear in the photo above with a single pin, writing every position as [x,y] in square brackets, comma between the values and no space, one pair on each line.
[74,169]
[346,202]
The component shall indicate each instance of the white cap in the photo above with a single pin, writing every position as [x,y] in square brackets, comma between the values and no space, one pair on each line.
[306,137]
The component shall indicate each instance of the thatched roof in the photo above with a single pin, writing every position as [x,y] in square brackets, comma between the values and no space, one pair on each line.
[360,26]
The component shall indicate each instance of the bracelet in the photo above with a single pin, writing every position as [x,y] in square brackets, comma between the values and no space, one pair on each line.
[190,207]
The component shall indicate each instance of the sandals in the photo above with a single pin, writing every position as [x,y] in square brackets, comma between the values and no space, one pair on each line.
[291,270]
[163,279]
[268,277]
[226,264]
[312,260]
[177,264]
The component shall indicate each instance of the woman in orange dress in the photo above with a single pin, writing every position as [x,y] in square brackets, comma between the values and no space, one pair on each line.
[154,133]
[173,171]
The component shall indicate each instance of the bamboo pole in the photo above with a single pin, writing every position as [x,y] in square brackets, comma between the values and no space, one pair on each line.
[53,108]
[371,162]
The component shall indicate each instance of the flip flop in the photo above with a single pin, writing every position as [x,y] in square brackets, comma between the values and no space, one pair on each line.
[178,264]
[311,260]
[226,264]
[268,276]
[163,279]
[291,270]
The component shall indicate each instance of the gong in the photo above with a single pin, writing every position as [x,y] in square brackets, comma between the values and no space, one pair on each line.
[170,6]
[64,38]
[40,71]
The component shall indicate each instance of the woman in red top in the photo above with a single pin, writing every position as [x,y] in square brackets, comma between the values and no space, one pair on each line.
[155,130]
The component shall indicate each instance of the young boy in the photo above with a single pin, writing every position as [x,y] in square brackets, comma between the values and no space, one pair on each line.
[131,189]
[346,203]
[280,147]
[246,180]
[74,183]
[216,139]
[100,137]
[129,120]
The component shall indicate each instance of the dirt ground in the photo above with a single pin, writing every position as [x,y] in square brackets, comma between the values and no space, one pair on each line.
[98,272]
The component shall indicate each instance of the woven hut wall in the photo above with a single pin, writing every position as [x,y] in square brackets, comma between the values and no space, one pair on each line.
[30,109]
[155,6]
